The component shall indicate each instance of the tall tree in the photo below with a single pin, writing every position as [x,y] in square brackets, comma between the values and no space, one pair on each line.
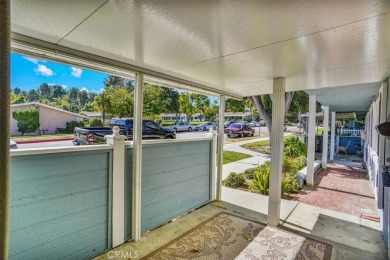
[263,104]
[58,91]
[187,104]
[120,102]
[234,105]
[33,95]
[73,97]
[17,91]
[83,97]
[46,91]
[103,103]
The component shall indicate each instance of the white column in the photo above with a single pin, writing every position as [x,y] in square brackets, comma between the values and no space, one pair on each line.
[213,165]
[118,186]
[137,157]
[311,140]
[332,136]
[277,135]
[221,134]
[325,138]
[5,49]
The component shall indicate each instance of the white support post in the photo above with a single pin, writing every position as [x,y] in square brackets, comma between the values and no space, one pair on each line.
[332,136]
[221,134]
[5,50]
[325,138]
[214,140]
[118,186]
[311,140]
[277,135]
[137,157]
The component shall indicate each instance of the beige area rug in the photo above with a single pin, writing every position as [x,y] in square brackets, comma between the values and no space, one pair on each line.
[226,236]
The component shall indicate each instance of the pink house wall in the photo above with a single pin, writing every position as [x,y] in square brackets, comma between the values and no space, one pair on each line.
[49,119]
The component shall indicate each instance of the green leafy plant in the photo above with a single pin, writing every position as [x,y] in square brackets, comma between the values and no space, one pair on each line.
[71,125]
[250,173]
[260,182]
[294,147]
[234,180]
[95,122]
[28,120]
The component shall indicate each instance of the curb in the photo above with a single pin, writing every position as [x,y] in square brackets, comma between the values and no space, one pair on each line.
[43,141]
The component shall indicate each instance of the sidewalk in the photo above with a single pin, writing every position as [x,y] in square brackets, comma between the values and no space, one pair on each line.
[241,165]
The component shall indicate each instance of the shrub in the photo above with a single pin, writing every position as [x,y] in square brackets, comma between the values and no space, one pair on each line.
[250,173]
[28,120]
[94,122]
[71,125]
[234,180]
[291,166]
[260,182]
[294,147]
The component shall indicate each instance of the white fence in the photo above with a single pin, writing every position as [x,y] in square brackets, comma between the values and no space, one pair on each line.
[352,132]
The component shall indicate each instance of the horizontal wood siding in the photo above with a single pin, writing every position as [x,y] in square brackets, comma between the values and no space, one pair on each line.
[60,205]
[175,180]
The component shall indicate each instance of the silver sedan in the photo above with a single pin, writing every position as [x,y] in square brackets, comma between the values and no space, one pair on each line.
[183,126]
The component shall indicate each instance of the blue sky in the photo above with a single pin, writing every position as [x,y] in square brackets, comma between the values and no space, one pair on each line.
[28,73]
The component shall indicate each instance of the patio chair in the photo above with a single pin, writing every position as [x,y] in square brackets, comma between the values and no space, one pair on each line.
[343,149]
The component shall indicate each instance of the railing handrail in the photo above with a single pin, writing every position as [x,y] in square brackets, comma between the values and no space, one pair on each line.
[51,150]
[164,141]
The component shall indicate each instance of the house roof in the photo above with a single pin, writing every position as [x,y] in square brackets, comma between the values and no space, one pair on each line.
[47,106]
[238,114]
[227,47]
[91,114]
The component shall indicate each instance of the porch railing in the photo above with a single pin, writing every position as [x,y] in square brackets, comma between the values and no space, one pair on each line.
[352,132]
[62,199]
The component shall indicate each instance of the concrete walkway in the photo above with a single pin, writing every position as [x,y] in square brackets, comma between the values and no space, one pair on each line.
[241,165]
[352,237]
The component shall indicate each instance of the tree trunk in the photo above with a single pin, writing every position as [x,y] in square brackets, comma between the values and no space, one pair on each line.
[265,108]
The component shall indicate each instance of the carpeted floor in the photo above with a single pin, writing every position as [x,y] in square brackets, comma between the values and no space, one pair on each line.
[226,236]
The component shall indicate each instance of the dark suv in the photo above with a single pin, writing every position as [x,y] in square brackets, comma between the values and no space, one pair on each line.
[150,129]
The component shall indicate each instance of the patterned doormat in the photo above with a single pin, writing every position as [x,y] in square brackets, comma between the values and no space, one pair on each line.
[226,236]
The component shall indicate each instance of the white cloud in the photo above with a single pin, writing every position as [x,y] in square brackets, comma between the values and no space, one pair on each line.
[76,72]
[43,70]
[84,89]
[52,84]
[33,60]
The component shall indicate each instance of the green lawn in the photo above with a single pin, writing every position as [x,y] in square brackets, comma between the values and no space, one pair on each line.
[260,146]
[229,156]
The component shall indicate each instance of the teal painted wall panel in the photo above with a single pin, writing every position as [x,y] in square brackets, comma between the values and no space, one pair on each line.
[60,205]
[128,192]
[175,179]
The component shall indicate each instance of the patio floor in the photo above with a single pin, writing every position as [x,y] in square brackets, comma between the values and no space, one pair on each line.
[342,187]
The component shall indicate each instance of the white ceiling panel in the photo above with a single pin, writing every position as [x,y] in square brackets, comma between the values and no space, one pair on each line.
[239,46]
[50,20]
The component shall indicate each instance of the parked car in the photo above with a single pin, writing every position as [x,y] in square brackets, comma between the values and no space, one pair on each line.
[254,123]
[262,123]
[96,135]
[13,145]
[243,123]
[183,126]
[227,124]
[205,126]
[241,130]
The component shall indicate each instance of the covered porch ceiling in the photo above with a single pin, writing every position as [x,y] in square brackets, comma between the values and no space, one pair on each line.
[353,98]
[226,47]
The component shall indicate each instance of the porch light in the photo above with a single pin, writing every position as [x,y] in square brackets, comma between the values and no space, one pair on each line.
[383,129]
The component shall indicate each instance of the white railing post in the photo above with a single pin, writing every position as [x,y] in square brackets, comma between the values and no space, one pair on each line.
[221,135]
[213,165]
[332,136]
[311,140]
[137,157]
[118,186]
[325,138]
[277,133]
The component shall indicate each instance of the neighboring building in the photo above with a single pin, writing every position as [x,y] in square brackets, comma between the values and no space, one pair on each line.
[50,118]
[237,116]
[180,117]
[99,115]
